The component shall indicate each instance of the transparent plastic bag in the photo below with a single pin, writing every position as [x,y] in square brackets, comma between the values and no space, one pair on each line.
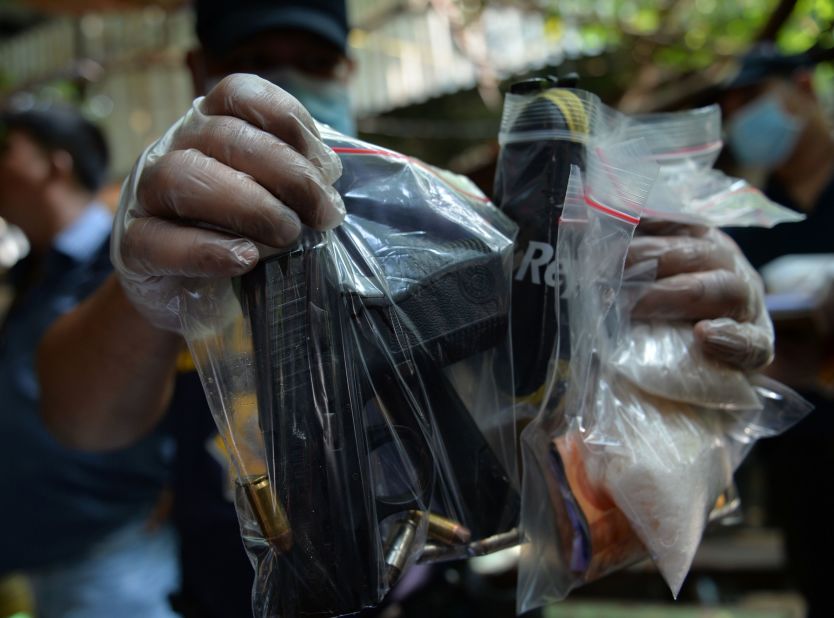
[542,134]
[665,464]
[354,381]
[686,145]
[664,360]
[574,532]
[612,471]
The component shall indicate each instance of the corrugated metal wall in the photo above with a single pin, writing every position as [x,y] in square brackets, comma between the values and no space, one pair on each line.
[405,50]
[143,86]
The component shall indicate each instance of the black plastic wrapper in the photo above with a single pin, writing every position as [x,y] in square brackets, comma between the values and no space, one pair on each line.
[354,380]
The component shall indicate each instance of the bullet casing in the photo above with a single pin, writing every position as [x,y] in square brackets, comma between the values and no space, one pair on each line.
[268,512]
[399,548]
[433,552]
[494,543]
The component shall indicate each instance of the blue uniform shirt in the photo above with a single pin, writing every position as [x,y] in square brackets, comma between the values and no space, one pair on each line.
[55,502]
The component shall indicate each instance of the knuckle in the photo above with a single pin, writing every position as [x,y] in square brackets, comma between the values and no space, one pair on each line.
[222,126]
[167,179]
[299,188]
[261,224]
[690,253]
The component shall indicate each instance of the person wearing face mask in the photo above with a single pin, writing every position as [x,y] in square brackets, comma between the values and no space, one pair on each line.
[81,526]
[244,168]
[777,129]
[301,48]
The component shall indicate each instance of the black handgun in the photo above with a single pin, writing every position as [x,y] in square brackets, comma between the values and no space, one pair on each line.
[362,425]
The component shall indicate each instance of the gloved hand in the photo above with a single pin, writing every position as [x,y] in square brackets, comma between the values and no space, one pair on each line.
[245,165]
[702,276]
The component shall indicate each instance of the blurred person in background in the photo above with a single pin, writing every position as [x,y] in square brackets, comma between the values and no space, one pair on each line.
[248,164]
[777,129]
[77,523]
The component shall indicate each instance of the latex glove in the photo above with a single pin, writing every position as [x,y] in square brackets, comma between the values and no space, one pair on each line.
[245,165]
[702,276]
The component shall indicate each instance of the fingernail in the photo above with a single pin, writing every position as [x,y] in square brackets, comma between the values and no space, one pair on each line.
[722,343]
[328,162]
[335,212]
[244,252]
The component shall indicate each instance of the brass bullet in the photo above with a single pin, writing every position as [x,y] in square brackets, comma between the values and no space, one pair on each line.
[268,512]
[442,529]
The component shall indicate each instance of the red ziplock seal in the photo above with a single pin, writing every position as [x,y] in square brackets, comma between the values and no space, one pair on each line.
[689,150]
[617,214]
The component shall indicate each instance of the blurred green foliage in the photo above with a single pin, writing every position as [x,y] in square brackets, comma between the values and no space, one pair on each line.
[682,34]
[690,34]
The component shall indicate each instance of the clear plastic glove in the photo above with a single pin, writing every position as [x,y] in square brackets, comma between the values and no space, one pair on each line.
[242,170]
[703,277]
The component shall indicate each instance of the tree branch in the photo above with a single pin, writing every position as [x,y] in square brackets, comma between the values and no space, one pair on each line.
[778,18]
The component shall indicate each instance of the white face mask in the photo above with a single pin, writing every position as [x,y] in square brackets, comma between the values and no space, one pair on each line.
[327,100]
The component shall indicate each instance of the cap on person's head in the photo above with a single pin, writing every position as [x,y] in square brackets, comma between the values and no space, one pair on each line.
[222,24]
[764,61]
[60,127]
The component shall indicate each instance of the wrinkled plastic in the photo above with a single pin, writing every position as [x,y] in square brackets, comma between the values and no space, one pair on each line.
[664,360]
[200,197]
[355,381]
[627,459]
[574,531]
[541,136]
[685,145]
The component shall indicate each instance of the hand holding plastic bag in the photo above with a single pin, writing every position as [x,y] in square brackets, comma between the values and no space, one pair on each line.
[702,277]
[245,165]
[354,381]
[633,459]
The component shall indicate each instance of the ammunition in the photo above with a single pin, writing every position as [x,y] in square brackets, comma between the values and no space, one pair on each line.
[399,547]
[433,552]
[494,543]
[441,553]
[268,512]
[442,529]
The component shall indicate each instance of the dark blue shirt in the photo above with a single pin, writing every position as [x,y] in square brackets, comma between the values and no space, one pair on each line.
[56,502]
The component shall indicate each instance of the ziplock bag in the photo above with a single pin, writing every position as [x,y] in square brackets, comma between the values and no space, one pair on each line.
[661,356]
[623,471]
[573,531]
[685,145]
[353,382]
[543,132]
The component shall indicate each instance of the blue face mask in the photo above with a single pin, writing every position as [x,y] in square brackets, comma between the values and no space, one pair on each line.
[763,135]
[327,100]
